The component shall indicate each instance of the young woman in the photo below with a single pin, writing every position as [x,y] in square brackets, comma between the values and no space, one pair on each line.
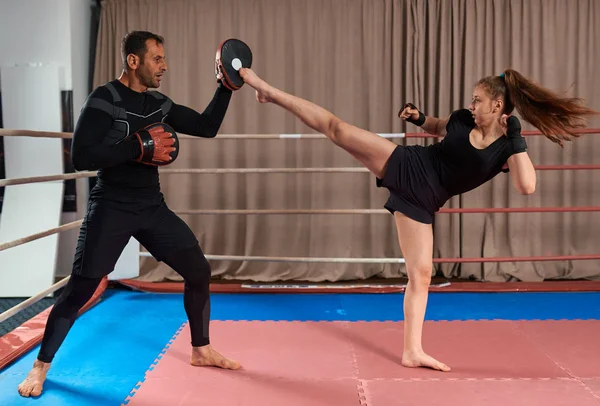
[479,142]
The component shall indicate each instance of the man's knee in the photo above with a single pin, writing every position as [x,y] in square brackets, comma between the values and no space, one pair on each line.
[192,265]
[200,275]
[78,291]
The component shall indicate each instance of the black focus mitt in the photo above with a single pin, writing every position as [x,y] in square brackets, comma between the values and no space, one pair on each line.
[232,55]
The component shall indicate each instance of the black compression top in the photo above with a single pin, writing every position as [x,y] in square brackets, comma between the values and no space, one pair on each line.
[460,167]
[112,112]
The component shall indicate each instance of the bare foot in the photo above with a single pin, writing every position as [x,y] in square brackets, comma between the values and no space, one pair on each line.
[262,88]
[33,384]
[420,359]
[262,96]
[207,357]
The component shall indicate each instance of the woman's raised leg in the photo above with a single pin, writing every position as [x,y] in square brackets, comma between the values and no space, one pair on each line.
[369,148]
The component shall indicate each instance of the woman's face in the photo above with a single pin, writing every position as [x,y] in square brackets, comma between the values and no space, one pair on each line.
[484,109]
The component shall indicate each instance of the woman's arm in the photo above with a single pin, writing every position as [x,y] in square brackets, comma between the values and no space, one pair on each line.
[431,125]
[522,173]
[521,168]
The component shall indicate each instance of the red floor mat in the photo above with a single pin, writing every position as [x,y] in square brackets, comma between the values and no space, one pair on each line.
[358,363]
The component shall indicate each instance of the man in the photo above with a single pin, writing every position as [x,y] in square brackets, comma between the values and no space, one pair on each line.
[122,133]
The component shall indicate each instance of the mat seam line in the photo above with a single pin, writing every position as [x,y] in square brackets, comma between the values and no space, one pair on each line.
[571,375]
[497,379]
[361,387]
[588,389]
[152,365]
[539,347]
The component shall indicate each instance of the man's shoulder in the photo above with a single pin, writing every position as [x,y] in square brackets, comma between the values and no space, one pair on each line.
[105,98]
[104,92]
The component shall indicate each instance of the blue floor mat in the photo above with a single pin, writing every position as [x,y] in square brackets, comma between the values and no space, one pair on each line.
[388,307]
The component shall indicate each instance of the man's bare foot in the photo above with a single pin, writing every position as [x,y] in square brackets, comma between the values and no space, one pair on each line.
[420,359]
[34,382]
[205,356]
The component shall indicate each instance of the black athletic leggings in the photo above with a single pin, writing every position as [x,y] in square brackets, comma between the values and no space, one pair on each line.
[190,263]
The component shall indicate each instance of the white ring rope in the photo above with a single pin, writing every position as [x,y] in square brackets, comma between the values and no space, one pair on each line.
[74,224]
[42,234]
[50,134]
[48,178]
[262,170]
[297,259]
[30,133]
[222,171]
[472,210]
[33,300]
[90,174]
[280,211]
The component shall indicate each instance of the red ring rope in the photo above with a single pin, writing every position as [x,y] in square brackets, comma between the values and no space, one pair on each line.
[522,209]
[587,257]
[566,167]
[526,133]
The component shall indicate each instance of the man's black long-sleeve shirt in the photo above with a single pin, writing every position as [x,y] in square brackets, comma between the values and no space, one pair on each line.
[113,111]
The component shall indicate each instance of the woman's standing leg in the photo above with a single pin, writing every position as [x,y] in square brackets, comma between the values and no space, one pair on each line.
[416,244]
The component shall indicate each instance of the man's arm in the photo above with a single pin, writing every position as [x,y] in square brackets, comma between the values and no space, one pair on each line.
[89,150]
[206,124]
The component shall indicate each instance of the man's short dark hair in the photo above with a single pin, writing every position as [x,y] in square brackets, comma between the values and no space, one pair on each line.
[135,43]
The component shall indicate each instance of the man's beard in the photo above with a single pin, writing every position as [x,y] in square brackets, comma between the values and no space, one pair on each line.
[147,79]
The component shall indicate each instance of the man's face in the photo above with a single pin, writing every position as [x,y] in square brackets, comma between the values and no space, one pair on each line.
[153,65]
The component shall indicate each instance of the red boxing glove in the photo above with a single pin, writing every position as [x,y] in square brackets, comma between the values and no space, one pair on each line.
[159,144]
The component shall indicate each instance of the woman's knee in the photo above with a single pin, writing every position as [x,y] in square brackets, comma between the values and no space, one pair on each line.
[420,274]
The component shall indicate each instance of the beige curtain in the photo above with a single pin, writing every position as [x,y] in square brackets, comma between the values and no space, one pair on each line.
[363,60]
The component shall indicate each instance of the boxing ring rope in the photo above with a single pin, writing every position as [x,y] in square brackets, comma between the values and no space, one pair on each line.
[546,258]
[33,300]
[352,169]
[50,134]
[86,174]
[77,223]
[224,171]
[473,210]
[48,178]
[36,236]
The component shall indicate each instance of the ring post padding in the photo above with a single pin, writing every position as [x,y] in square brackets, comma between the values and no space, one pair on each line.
[30,99]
